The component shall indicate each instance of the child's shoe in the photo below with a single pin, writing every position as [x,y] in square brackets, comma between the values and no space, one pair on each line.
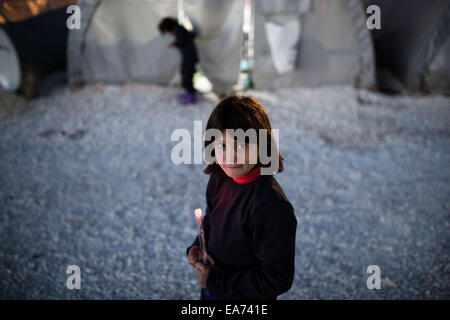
[187,98]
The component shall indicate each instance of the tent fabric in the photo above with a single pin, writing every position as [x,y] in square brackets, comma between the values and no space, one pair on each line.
[120,42]
[283,38]
[335,47]
[437,72]
[9,64]
[412,43]
[286,6]
[39,44]
[218,25]
[365,67]
[75,42]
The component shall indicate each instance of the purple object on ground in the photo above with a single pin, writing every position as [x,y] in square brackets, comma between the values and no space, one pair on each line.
[187,98]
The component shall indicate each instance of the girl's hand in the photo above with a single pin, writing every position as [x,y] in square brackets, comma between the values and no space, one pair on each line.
[203,271]
[194,255]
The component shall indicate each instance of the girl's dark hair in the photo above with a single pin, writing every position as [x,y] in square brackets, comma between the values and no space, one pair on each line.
[240,112]
[167,24]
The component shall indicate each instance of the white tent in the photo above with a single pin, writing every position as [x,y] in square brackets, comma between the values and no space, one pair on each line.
[413,44]
[119,41]
[297,42]
[218,24]
[9,64]
[324,42]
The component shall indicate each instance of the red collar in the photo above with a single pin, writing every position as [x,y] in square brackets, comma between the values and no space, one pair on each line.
[253,175]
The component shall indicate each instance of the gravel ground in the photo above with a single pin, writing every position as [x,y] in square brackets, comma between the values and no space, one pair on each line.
[86,179]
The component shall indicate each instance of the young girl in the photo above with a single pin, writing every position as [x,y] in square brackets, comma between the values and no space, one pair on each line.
[249,223]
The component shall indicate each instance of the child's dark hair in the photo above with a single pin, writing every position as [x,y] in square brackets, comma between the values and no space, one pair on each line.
[240,112]
[167,24]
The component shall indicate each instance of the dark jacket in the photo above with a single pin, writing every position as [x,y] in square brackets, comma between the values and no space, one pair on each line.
[184,40]
[250,233]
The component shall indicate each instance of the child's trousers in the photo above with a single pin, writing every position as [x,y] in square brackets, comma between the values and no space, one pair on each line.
[187,74]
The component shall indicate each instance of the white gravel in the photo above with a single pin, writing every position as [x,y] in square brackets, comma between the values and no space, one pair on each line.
[86,179]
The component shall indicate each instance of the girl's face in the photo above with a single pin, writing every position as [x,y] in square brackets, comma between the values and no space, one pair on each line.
[234,157]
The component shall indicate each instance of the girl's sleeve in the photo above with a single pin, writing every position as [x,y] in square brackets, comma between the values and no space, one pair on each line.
[274,231]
